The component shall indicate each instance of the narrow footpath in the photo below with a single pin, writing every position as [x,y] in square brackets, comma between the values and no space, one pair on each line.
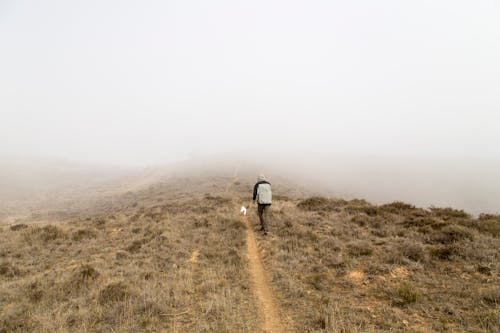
[260,281]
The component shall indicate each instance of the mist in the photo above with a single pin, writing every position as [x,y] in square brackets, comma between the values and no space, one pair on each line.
[386,101]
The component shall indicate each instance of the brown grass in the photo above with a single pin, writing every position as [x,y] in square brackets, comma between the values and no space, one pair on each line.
[167,259]
[130,272]
[377,268]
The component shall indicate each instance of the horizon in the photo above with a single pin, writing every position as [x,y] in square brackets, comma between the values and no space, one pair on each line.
[436,182]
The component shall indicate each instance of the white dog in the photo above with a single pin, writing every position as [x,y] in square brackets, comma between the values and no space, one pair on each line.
[243,210]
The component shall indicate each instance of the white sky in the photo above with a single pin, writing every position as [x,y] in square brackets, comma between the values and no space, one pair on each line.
[141,82]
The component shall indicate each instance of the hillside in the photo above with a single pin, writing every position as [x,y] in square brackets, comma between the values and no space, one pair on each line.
[177,256]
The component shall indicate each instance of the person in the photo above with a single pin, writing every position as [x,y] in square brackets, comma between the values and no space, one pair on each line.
[262,193]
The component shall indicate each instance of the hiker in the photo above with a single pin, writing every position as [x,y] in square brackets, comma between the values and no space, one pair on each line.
[263,194]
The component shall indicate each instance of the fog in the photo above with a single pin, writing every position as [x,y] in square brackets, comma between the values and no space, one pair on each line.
[384,100]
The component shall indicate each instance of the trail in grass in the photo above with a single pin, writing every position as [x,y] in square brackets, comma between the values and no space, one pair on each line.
[272,322]
[260,281]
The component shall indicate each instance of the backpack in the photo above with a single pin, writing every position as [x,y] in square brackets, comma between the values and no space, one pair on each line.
[264,194]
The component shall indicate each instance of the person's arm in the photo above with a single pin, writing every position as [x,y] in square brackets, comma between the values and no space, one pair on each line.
[255,191]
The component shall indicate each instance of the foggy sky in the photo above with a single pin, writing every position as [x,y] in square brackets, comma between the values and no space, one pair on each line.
[141,82]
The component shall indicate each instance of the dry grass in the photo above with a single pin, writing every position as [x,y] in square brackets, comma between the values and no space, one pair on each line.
[357,267]
[130,271]
[167,259]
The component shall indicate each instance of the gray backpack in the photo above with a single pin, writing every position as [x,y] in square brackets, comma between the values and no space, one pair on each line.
[264,194]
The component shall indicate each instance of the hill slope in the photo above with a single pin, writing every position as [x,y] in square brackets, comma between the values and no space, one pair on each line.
[174,257]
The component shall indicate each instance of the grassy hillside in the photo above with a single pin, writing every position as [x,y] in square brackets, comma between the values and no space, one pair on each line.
[349,266]
[172,257]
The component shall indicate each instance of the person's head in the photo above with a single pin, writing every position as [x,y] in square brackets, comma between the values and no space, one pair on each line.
[261,178]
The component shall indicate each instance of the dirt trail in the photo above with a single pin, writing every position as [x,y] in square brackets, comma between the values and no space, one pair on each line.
[272,322]
[260,280]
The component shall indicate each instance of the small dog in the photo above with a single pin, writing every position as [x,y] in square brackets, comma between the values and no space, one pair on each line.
[243,210]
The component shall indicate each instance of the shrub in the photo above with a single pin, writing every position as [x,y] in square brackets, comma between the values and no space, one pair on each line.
[52,232]
[397,207]
[449,213]
[451,234]
[320,280]
[483,217]
[489,320]
[361,219]
[362,207]
[34,292]
[232,257]
[408,294]
[135,246]
[413,250]
[9,270]
[320,204]
[403,252]
[46,233]
[114,292]
[281,197]
[120,254]
[17,227]
[491,296]
[16,319]
[444,252]
[99,222]
[83,234]
[418,221]
[490,226]
[83,275]
[359,248]
[149,308]
[330,244]
[334,260]
[484,269]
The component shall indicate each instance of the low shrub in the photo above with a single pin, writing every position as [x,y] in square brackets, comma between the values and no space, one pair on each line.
[408,294]
[490,296]
[114,292]
[361,219]
[17,227]
[418,221]
[489,320]
[9,270]
[362,208]
[483,217]
[321,204]
[320,280]
[489,226]
[452,233]
[359,248]
[120,254]
[330,244]
[397,207]
[135,246]
[81,234]
[412,250]
[34,291]
[82,276]
[99,222]
[45,234]
[16,319]
[444,252]
[449,213]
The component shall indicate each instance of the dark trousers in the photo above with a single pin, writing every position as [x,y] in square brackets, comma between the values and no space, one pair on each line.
[263,211]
